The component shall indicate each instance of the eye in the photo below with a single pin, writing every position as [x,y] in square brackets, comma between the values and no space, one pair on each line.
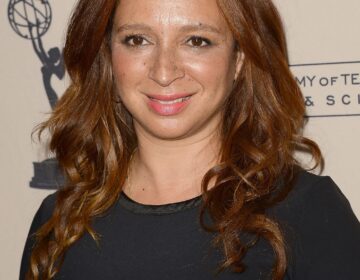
[135,41]
[199,42]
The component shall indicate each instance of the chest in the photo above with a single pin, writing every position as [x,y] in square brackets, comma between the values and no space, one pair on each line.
[172,247]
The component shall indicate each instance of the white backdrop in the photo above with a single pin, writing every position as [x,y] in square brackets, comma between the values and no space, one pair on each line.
[324,50]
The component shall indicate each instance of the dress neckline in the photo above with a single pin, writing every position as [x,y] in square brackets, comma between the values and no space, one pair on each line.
[162,209]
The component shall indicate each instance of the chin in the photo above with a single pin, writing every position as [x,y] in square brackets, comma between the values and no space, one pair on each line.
[169,129]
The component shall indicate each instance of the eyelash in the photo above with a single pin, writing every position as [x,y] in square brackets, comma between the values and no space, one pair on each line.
[128,38]
[207,41]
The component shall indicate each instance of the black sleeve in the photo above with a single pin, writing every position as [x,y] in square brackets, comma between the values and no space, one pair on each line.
[42,215]
[328,235]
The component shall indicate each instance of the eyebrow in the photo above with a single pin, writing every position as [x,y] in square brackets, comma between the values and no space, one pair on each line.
[132,26]
[201,27]
[185,28]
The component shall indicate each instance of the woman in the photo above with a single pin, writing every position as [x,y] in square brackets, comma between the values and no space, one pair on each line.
[177,136]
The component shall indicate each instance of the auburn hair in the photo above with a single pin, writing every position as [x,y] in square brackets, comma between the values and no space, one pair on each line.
[92,137]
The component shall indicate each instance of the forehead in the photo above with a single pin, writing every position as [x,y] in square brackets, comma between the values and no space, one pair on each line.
[167,13]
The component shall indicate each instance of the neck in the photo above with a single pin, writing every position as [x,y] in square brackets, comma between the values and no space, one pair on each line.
[170,171]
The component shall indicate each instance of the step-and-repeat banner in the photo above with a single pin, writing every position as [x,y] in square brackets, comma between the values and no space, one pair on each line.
[324,51]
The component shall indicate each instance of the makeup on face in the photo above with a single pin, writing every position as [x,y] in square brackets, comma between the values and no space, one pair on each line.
[173,63]
[169,104]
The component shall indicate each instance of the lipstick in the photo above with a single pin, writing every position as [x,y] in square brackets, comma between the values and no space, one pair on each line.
[170,104]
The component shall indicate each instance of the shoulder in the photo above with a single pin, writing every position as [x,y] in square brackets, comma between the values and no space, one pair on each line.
[321,229]
[47,207]
[307,183]
[314,200]
[42,215]
[311,191]
[320,191]
[44,212]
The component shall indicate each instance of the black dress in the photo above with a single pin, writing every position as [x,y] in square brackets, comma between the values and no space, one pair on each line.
[166,241]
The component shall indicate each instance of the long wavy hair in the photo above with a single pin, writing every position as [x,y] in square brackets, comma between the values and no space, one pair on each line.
[92,137]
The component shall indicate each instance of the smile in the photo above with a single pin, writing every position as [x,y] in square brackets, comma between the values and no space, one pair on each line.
[171,101]
[168,105]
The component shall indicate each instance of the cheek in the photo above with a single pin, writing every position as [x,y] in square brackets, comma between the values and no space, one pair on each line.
[215,73]
[128,71]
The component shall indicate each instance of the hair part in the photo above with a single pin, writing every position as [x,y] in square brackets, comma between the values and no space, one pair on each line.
[93,138]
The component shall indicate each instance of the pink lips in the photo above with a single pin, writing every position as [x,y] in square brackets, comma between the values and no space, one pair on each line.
[170,104]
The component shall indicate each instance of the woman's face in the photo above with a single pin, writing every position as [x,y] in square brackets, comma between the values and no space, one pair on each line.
[174,65]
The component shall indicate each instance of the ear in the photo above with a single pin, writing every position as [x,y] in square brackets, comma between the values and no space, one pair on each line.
[240,56]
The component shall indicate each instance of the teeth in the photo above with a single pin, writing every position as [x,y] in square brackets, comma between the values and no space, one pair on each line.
[172,101]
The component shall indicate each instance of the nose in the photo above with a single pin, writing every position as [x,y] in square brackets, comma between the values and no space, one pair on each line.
[165,68]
